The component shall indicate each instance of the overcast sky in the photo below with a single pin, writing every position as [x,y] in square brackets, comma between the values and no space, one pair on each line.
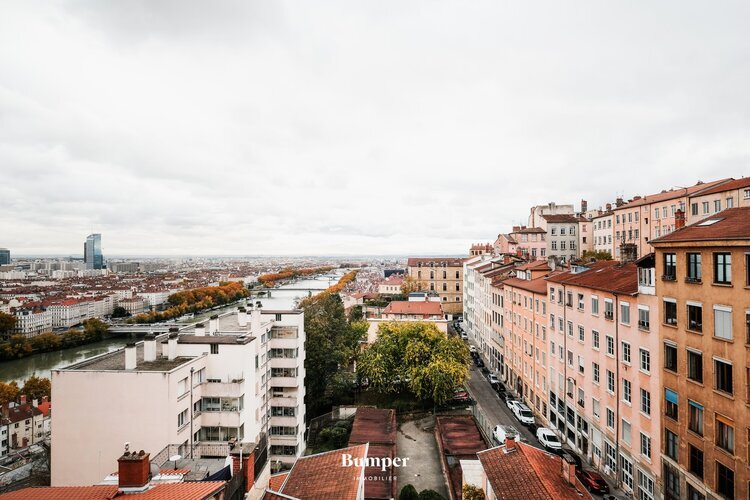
[181,127]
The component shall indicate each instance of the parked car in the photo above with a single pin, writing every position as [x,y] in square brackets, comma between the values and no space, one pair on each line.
[472,348]
[510,400]
[460,394]
[479,362]
[464,336]
[523,413]
[503,432]
[548,439]
[474,354]
[493,379]
[592,481]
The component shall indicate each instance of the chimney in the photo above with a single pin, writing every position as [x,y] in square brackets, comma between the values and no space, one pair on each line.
[200,330]
[213,324]
[510,443]
[584,206]
[45,399]
[255,321]
[679,219]
[133,471]
[172,346]
[568,469]
[130,357]
[149,347]
[35,403]
[243,461]
[609,207]
[23,399]
[242,316]
[619,202]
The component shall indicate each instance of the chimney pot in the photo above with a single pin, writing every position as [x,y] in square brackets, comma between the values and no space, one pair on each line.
[200,330]
[679,219]
[172,346]
[133,470]
[149,347]
[130,356]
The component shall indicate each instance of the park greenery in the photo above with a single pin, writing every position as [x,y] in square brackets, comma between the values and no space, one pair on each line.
[269,280]
[33,388]
[7,324]
[332,344]
[193,301]
[409,492]
[470,492]
[334,289]
[415,357]
[18,346]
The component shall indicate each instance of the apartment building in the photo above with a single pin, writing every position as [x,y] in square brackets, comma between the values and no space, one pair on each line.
[645,218]
[602,394]
[525,335]
[442,275]
[703,290]
[538,212]
[563,236]
[604,233]
[31,320]
[240,381]
[731,194]
[528,242]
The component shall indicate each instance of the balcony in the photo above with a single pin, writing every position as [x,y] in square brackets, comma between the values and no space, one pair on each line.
[284,421]
[287,401]
[231,388]
[285,381]
[220,419]
[283,362]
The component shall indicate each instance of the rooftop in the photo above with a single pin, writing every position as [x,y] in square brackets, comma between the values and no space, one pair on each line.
[175,491]
[426,308]
[669,195]
[538,285]
[727,186]
[606,275]
[373,425]
[563,218]
[436,261]
[214,339]
[731,224]
[115,360]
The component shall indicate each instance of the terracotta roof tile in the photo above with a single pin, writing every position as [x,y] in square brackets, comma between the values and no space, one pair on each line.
[538,285]
[606,275]
[669,195]
[374,426]
[732,224]
[174,491]
[437,261]
[562,218]
[426,308]
[275,482]
[321,476]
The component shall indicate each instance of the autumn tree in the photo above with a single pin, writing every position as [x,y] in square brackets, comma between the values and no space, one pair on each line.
[37,387]
[8,392]
[471,492]
[411,285]
[119,312]
[94,329]
[429,363]
[589,255]
[7,323]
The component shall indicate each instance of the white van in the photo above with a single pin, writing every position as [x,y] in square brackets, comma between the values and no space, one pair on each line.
[503,432]
[523,413]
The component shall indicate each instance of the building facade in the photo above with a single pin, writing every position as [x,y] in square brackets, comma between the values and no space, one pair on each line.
[442,275]
[732,194]
[603,233]
[562,236]
[92,252]
[4,256]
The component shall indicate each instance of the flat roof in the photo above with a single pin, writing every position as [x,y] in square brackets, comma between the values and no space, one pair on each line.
[116,361]
[214,339]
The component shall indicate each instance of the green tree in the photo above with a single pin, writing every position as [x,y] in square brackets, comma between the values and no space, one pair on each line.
[7,323]
[8,392]
[430,363]
[46,342]
[119,312]
[37,387]
[472,492]
[430,495]
[408,492]
[355,314]
[94,329]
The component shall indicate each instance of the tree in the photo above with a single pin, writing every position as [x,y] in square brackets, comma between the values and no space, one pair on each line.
[8,392]
[119,312]
[430,495]
[37,387]
[408,492]
[472,492]
[424,360]
[410,285]
[355,314]
[590,255]
[94,328]
[7,324]
[46,342]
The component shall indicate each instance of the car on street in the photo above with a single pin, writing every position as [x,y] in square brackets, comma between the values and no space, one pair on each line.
[548,439]
[472,348]
[493,379]
[479,362]
[464,336]
[510,400]
[460,394]
[474,354]
[592,481]
[503,432]
[523,413]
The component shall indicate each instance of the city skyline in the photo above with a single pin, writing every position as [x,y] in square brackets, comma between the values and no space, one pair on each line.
[344,129]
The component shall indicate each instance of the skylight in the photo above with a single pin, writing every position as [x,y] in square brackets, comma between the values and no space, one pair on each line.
[709,222]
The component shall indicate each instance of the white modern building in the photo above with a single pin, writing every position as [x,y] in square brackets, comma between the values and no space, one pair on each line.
[243,383]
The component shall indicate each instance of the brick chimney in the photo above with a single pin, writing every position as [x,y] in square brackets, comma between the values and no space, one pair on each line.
[133,471]
[568,469]
[679,219]
[609,207]
[244,465]
[628,252]
[619,202]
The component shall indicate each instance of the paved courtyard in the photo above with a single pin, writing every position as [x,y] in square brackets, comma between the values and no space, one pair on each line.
[423,471]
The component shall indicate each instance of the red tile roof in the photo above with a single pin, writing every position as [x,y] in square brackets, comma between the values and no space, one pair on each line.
[424,308]
[523,472]
[538,285]
[564,218]
[669,195]
[275,482]
[727,186]
[732,224]
[173,491]
[458,438]
[322,477]
[606,275]
[529,230]
[535,265]
[374,426]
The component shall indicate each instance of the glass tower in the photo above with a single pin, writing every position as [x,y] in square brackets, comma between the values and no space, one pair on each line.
[92,252]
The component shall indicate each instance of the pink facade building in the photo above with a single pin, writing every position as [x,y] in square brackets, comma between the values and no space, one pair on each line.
[528,242]
[603,398]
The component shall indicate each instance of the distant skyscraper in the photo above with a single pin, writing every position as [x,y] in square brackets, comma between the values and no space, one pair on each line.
[92,252]
[4,256]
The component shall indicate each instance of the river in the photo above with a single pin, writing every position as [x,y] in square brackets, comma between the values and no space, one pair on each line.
[41,365]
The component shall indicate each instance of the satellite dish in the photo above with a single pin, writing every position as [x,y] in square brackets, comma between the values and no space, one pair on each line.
[175,458]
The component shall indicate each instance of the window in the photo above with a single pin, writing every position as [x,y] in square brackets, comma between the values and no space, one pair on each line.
[569,301]
[695,366]
[723,322]
[580,301]
[608,309]
[645,446]
[595,370]
[182,418]
[624,313]
[723,268]
[747,326]
[581,334]
[595,408]
[717,205]
[595,339]
[671,482]
[182,387]
[645,401]
[724,480]
[645,358]
[671,444]
[610,418]
[670,357]
[626,431]
[694,209]
[746,193]
[670,312]
[626,352]
[695,317]
[670,266]
[705,207]
[747,269]
[695,461]
[643,318]
[551,321]
[594,305]
[723,376]
[656,213]
[610,345]
[610,381]
[626,470]
[730,202]
[695,417]
[724,433]
[626,391]
[693,267]
[214,348]
[570,328]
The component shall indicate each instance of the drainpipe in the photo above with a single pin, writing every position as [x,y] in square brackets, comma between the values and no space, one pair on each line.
[191,412]
[565,365]
[616,316]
